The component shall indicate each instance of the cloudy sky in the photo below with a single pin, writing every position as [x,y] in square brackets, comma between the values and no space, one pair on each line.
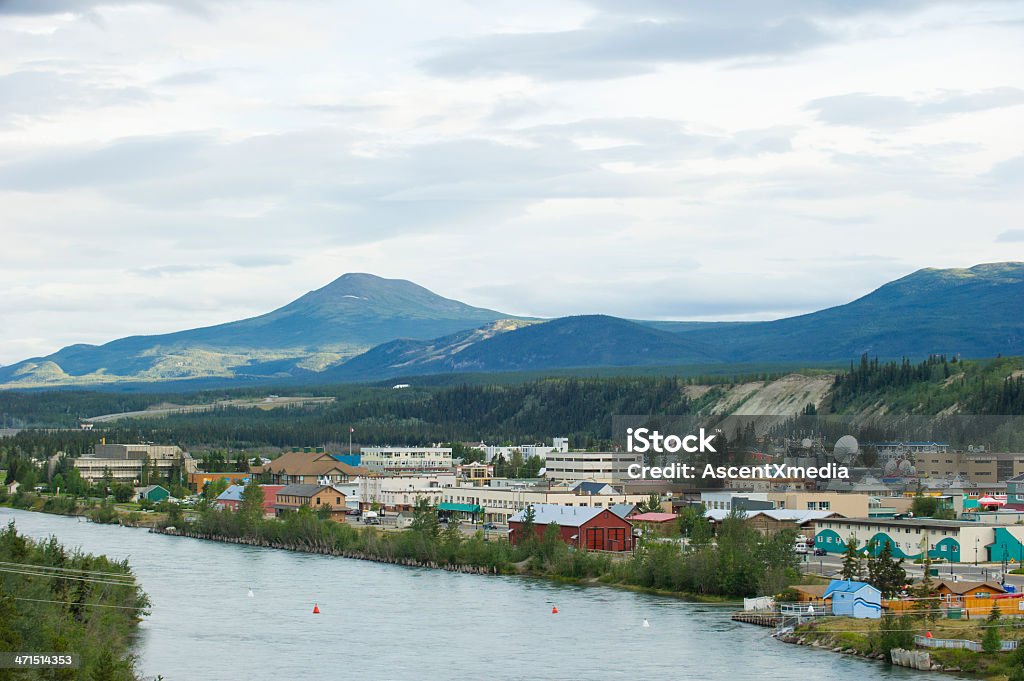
[175,163]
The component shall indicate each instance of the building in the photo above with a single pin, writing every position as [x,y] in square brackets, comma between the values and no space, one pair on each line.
[726,500]
[658,523]
[400,493]
[975,466]
[291,498]
[153,493]
[854,599]
[498,504]
[593,529]
[770,521]
[198,481]
[231,498]
[948,589]
[952,540]
[852,505]
[477,474]
[128,463]
[491,452]
[398,460]
[609,467]
[308,468]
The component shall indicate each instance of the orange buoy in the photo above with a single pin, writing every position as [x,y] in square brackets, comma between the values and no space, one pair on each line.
[554,610]
[316,609]
[928,635]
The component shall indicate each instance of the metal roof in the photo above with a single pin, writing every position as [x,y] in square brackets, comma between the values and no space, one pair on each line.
[569,516]
[232,493]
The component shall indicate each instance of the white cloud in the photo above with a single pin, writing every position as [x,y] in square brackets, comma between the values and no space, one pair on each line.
[166,165]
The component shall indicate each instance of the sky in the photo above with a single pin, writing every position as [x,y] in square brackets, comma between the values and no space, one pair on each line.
[169,164]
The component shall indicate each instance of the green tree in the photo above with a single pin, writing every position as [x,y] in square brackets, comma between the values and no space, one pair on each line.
[990,640]
[650,505]
[251,505]
[894,632]
[527,532]
[886,573]
[926,593]
[122,493]
[853,561]
[424,519]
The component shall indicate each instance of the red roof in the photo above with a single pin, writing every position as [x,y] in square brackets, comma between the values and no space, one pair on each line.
[653,517]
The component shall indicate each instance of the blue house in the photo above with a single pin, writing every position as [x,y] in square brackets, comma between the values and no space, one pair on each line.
[854,599]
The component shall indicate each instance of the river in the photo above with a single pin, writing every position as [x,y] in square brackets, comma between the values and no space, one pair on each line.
[382,621]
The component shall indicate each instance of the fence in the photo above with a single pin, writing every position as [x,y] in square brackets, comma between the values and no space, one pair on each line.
[964,644]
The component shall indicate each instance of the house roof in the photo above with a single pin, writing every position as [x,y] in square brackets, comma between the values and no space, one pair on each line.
[302,490]
[960,588]
[622,510]
[567,516]
[149,488]
[653,517]
[781,514]
[590,487]
[232,493]
[311,463]
[845,586]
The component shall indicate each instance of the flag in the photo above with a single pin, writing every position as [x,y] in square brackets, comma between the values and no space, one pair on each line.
[351,429]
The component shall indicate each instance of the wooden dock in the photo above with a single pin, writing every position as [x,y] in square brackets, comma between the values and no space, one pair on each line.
[761,619]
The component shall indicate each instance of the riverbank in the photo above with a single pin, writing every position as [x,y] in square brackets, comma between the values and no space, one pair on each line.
[892,638]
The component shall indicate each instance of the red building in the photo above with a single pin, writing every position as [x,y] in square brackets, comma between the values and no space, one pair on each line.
[231,498]
[593,529]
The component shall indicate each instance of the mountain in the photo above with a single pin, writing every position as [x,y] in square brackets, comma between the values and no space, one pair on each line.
[346,317]
[569,342]
[364,328]
[976,312]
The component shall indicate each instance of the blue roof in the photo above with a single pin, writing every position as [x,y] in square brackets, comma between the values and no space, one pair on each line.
[845,586]
[232,493]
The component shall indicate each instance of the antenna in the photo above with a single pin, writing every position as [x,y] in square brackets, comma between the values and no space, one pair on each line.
[846,449]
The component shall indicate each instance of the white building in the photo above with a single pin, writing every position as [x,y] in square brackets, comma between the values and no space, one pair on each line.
[558,444]
[402,492]
[397,460]
[497,504]
[609,467]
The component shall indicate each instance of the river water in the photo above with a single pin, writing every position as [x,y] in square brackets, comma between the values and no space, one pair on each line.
[382,621]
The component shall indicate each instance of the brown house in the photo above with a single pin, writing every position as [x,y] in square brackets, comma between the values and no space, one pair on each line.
[309,468]
[969,589]
[291,498]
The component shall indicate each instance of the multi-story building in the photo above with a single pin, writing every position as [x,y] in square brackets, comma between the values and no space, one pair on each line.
[497,504]
[975,466]
[129,463]
[492,452]
[851,505]
[400,493]
[309,468]
[397,460]
[953,540]
[291,498]
[610,467]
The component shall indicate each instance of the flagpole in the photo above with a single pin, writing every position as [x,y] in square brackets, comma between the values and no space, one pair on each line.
[350,440]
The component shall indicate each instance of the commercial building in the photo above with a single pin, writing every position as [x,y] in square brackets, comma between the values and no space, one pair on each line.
[492,452]
[400,493]
[308,468]
[593,529]
[976,466]
[398,460]
[291,498]
[609,467]
[768,522]
[851,505]
[498,504]
[197,481]
[953,540]
[130,463]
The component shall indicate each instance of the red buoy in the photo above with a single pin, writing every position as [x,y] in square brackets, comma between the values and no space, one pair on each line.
[928,635]
[554,610]
[316,609]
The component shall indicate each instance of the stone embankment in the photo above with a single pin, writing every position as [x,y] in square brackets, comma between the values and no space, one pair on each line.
[913,659]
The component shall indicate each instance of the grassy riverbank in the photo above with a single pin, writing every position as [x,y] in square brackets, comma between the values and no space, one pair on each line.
[874,639]
[56,601]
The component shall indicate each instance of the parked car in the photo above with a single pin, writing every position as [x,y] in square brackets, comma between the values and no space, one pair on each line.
[490,526]
[819,551]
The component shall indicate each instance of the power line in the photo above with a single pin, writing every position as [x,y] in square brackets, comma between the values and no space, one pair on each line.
[92,580]
[88,605]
